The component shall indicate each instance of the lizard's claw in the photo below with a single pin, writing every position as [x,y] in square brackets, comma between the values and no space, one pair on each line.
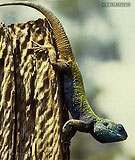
[40,48]
[67,127]
[68,130]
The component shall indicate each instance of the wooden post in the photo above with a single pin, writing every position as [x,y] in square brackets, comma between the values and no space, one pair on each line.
[31,98]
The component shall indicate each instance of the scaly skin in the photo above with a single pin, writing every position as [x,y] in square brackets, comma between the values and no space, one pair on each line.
[84,119]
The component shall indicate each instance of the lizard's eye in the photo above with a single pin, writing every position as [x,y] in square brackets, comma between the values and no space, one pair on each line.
[119,127]
[105,124]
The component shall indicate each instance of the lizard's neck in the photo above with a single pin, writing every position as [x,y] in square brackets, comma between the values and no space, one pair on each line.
[87,114]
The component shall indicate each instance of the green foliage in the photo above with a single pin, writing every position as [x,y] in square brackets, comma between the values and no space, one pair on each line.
[78,9]
[82,12]
[84,147]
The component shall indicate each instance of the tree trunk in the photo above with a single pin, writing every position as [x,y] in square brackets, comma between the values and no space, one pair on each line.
[31,97]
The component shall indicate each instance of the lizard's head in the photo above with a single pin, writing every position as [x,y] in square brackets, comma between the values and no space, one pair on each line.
[106,131]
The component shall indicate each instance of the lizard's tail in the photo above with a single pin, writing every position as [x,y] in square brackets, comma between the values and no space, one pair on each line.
[62,42]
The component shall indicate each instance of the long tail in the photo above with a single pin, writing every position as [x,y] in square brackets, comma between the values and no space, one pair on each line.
[62,42]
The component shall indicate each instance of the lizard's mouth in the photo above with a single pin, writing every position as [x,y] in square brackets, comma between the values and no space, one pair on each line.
[122,137]
[119,137]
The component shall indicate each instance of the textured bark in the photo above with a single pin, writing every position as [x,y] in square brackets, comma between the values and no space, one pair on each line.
[7,97]
[31,108]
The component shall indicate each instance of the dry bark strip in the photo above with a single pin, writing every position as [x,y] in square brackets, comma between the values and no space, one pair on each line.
[7,96]
[31,99]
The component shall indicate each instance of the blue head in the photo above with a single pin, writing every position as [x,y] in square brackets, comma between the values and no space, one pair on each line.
[106,131]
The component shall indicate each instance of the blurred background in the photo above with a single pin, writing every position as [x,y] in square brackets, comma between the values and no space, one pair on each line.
[103,41]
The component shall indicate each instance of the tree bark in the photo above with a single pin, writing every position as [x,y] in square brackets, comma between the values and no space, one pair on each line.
[31,96]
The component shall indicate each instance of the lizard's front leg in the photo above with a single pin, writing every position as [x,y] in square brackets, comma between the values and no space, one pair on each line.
[72,126]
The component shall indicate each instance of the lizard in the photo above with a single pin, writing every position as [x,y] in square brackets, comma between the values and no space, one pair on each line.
[84,118]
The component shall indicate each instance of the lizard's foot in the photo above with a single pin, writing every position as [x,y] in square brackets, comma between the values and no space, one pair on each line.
[40,48]
[68,126]
[68,129]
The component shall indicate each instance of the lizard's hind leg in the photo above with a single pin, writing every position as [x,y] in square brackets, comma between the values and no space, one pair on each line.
[46,48]
[40,48]
[61,65]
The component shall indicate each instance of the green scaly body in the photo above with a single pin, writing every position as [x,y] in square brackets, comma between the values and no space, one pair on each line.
[102,130]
